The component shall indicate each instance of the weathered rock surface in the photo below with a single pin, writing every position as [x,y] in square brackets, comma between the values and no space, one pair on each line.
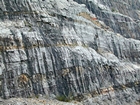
[35,101]
[66,47]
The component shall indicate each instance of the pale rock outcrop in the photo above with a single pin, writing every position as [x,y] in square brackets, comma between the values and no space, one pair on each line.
[71,48]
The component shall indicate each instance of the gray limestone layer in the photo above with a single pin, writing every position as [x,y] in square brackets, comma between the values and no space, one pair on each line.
[71,48]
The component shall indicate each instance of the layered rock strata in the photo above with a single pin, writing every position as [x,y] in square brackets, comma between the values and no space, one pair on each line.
[71,48]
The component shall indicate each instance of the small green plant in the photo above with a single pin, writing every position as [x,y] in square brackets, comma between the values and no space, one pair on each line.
[113,10]
[37,96]
[63,98]
[29,96]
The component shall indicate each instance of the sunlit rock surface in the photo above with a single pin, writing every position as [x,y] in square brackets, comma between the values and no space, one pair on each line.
[72,48]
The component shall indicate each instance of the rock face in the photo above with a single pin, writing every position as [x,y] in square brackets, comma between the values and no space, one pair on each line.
[66,47]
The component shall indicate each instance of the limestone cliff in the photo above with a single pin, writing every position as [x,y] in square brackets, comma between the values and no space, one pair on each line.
[72,48]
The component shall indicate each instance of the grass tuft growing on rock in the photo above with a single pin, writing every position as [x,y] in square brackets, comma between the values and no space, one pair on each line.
[63,98]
